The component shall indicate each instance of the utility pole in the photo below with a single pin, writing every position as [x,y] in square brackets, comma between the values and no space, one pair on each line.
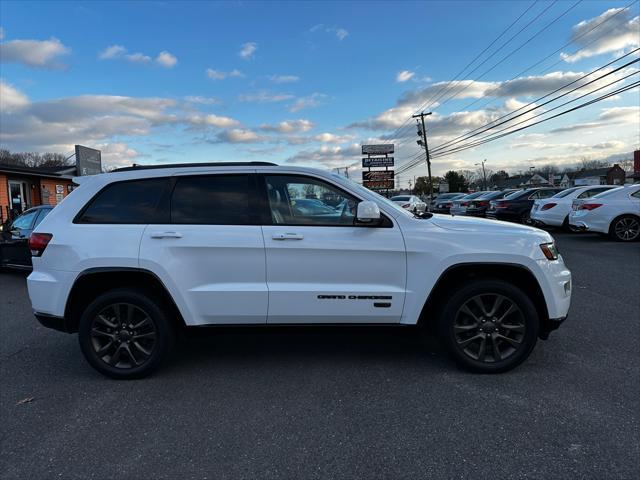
[423,142]
[484,174]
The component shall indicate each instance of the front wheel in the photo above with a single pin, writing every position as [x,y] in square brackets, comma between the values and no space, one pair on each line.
[625,228]
[489,326]
[125,334]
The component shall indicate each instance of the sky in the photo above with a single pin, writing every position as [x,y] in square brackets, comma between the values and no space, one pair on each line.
[306,83]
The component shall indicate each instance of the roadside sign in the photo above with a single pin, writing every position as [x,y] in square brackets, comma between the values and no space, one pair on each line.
[377,162]
[378,180]
[88,161]
[382,149]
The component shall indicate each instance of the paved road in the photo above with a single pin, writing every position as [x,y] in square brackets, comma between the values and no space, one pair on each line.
[333,404]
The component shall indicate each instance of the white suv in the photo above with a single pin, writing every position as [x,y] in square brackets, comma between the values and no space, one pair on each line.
[131,256]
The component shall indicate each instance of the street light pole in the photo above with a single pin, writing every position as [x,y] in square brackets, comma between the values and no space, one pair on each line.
[484,174]
[426,148]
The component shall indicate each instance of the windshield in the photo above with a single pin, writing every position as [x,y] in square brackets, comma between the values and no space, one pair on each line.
[400,198]
[566,192]
[471,196]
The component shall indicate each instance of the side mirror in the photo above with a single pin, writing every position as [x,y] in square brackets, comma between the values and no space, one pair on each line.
[368,212]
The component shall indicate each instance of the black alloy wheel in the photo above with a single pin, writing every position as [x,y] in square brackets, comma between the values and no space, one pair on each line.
[489,328]
[626,229]
[489,325]
[125,333]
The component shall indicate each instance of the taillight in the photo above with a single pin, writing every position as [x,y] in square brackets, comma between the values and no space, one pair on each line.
[548,206]
[501,205]
[464,204]
[589,206]
[482,203]
[38,242]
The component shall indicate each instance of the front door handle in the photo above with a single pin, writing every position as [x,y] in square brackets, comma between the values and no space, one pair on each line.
[287,236]
[166,235]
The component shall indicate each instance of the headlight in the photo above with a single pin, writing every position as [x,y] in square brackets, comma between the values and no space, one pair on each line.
[550,250]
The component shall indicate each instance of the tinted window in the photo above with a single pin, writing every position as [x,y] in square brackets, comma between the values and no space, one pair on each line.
[400,198]
[636,194]
[211,200]
[295,200]
[545,193]
[608,193]
[132,202]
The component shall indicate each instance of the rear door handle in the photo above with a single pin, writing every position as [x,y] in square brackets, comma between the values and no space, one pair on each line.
[166,235]
[287,236]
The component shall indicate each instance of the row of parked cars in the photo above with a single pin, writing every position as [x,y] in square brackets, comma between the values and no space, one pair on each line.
[606,209]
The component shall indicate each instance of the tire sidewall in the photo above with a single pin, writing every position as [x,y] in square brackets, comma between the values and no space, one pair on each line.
[155,312]
[447,315]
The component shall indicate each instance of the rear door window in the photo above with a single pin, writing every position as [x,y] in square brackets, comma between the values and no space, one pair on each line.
[127,202]
[213,200]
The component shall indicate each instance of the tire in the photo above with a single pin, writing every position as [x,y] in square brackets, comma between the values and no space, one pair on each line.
[625,228]
[135,351]
[500,343]
[567,227]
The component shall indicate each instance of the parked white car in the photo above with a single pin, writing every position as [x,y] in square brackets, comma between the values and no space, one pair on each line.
[133,255]
[615,212]
[410,202]
[554,211]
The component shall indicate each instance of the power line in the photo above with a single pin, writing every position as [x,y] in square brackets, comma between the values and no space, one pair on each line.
[498,135]
[471,62]
[482,128]
[586,104]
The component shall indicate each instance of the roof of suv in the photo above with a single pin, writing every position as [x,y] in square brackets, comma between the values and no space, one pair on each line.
[187,165]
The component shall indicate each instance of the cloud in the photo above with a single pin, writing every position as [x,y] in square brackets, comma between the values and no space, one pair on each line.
[289,126]
[213,121]
[138,58]
[621,33]
[247,50]
[220,75]
[613,145]
[326,156]
[608,117]
[201,100]
[238,135]
[404,75]
[119,52]
[332,138]
[33,53]
[166,59]
[117,154]
[112,51]
[311,101]
[283,78]
[11,99]
[339,32]
[264,96]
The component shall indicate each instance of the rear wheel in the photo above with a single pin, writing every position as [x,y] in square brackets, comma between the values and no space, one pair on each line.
[625,228]
[489,326]
[125,334]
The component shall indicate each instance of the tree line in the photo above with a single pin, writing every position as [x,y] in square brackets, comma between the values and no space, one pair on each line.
[32,159]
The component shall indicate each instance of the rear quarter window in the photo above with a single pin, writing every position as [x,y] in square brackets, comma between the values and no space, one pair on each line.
[127,202]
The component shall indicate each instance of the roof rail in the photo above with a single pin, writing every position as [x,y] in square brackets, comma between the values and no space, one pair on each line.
[209,164]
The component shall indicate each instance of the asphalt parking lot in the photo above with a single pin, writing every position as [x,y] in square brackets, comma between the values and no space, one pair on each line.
[334,403]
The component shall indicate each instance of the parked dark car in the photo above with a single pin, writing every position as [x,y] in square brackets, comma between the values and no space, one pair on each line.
[14,239]
[516,206]
[444,201]
[479,206]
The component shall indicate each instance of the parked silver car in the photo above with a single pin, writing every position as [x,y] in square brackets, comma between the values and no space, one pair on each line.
[410,202]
